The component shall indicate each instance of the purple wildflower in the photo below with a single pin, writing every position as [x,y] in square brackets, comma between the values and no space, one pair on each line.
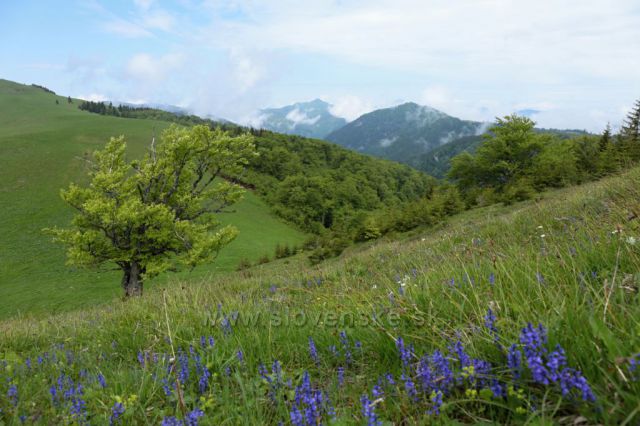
[634,362]
[490,323]
[556,361]
[183,361]
[12,394]
[369,411]
[102,381]
[377,391]
[514,361]
[340,376]
[171,421]
[436,402]
[193,416]
[116,411]
[406,353]
[409,386]
[141,359]
[313,352]
[497,389]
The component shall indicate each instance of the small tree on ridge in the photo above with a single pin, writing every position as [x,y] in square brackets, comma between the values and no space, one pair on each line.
[158,213]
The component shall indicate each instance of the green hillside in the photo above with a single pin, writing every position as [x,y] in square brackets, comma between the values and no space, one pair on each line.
[430,328]
[44,147]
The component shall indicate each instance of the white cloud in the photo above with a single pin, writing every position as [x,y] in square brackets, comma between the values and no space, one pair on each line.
[246,71]
[299,117]
[386,142]
[149,69]
[350,107]
[158,19]
[125,28]
[94,97]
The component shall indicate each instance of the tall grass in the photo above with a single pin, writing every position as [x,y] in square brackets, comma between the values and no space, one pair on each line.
[569,261]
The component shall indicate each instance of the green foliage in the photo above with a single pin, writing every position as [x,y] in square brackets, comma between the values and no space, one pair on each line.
[515,161]
[554,262]
[152,215]
[45,147]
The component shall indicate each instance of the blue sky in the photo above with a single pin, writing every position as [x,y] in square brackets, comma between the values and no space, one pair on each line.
[577,63]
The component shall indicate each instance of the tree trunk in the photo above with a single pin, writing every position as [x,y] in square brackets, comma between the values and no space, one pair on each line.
[132,279]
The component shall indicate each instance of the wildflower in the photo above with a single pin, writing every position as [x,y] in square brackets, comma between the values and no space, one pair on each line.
[556,361]
[183,361]
[436,402]
[514,361]
[310,404]
[497,389]
[405,352]
[377,391]
[166,388]
[425,374]
[171,421]
[631,241]
[193,416]
[458,349]
[442,369]
[540,278]
[409,386]
[492,278]
[533,340]
[340,376]
[78,405]
[390,379]
[116,411]
[572,379]
[226,326]
[12,394]
[345,345]
[634,363]
[368,411]
[240,356]
[543,235]
[490,323]
[102,381]
[313,352]
[203,381]
[141,359]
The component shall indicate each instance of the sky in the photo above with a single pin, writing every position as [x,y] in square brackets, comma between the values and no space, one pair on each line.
[567,63]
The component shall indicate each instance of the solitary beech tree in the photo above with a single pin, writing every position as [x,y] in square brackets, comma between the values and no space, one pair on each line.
[158,213]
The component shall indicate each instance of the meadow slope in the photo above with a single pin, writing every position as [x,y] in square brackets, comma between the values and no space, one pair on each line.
[44,146]
[427,328]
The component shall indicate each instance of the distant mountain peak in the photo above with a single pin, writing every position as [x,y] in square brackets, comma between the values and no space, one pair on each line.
[310,119]
[402,132]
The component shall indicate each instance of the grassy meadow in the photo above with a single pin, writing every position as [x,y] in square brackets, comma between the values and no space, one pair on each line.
[426,328]
[44,147]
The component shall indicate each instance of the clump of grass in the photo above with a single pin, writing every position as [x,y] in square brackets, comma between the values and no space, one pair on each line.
[509,315]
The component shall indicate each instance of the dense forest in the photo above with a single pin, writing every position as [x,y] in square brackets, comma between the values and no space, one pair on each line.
[514,162]
[341,196]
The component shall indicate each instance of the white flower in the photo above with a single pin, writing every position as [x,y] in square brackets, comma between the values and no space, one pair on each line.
[539,226]
[424,239]
[543,235]
[374,286]
[632,240]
